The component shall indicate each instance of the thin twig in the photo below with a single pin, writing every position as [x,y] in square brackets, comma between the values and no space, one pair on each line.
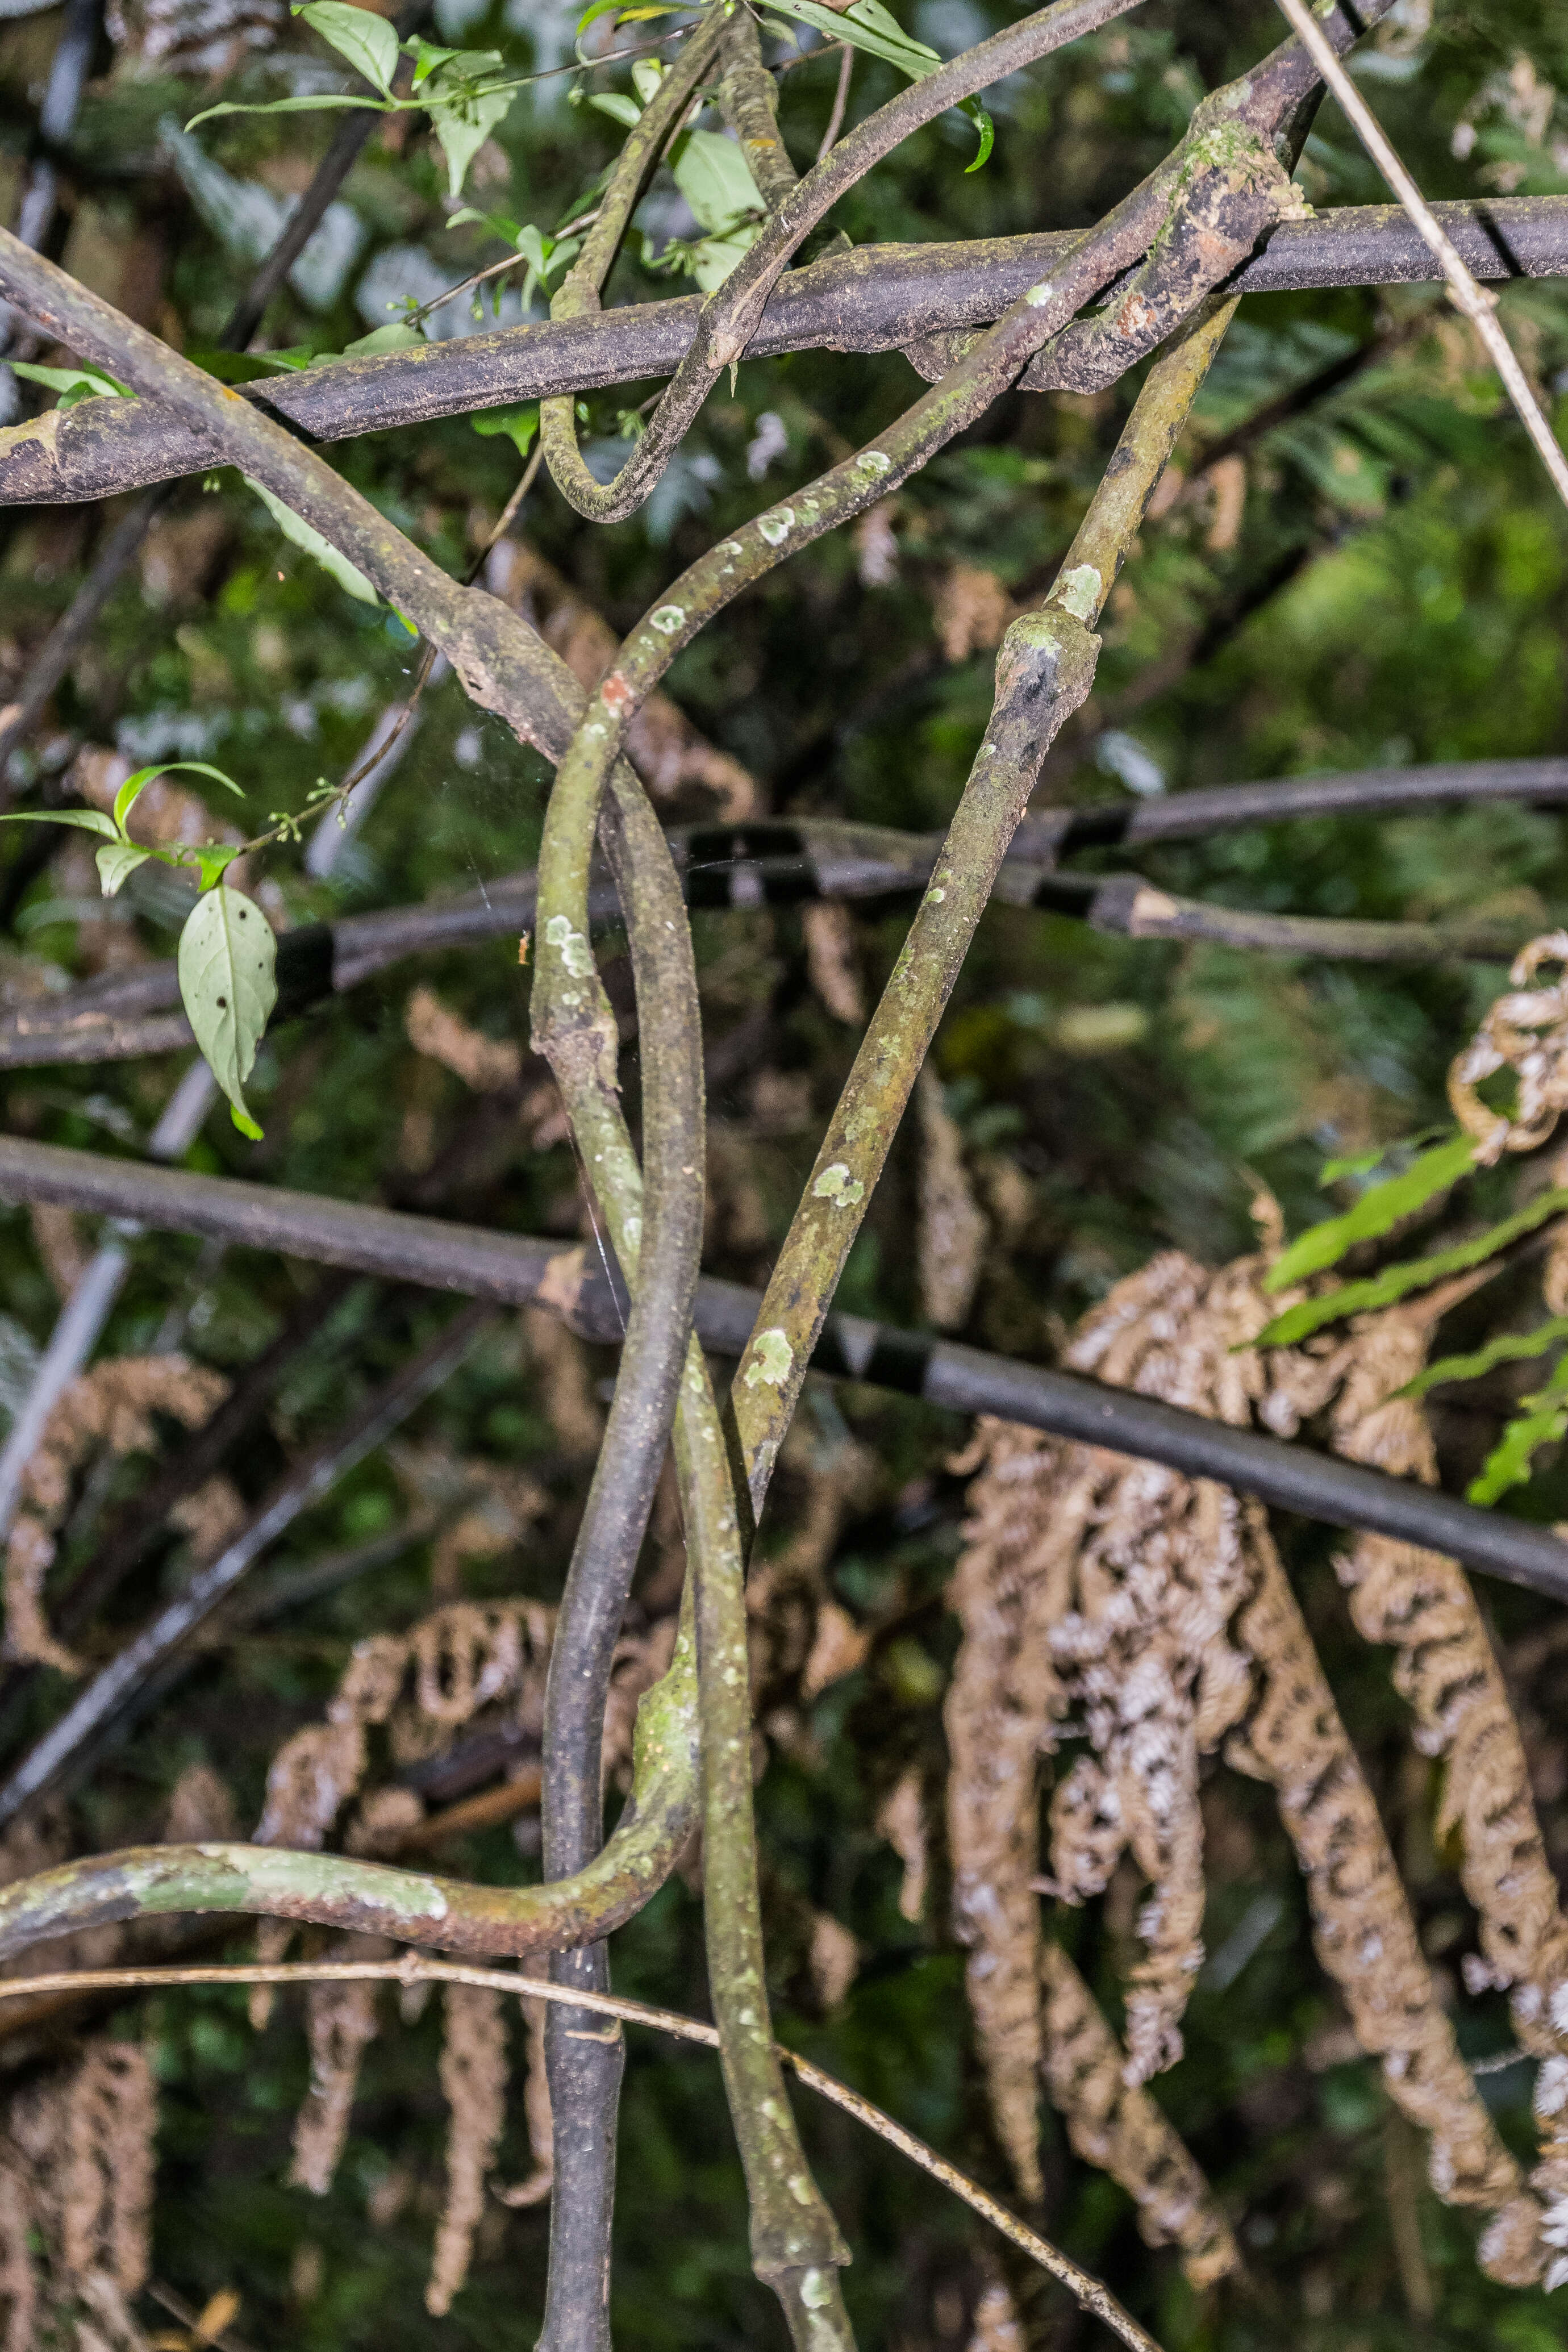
[1468,298]
[415,1969]
[840,100]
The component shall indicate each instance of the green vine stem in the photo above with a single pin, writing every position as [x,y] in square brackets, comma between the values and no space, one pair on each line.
[1044,671]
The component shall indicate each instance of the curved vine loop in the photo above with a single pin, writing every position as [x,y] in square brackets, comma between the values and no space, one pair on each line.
[731,317]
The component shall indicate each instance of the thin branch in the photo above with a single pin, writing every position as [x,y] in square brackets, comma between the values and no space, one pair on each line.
[875,298]
[840,103]
[415,1969]
[514,1271]
[1478,306]
[122,1685]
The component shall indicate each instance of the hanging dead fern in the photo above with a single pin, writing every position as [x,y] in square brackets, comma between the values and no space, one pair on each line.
[1150,1614]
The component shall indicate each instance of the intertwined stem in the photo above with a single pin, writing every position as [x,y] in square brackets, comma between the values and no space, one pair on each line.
[1044,671]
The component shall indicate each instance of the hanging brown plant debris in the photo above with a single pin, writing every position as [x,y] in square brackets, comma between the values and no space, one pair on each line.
[1147,1613]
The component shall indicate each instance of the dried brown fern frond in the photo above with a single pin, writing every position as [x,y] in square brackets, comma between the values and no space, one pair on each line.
[1525,1031]
[487,1065]
[1010,1585]
[1162,1619]
[111,1406]
[1421,1605]
[830,932]
[996,2328]
[75,2194]
[474,2078]
[952,1230]
[340,2023]
[901,1820]
[1362,1929]
[1117,2125]
[537,2187]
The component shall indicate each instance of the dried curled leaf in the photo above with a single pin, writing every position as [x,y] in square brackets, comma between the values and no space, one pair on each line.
[996,2328]
[1526,1031]
[902,1822]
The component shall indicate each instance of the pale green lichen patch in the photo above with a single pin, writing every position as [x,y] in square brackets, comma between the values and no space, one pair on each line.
[777,525]
[1078,591]
[836,1184]
[668,619]
[771,1358]
[875,462]
[569,945]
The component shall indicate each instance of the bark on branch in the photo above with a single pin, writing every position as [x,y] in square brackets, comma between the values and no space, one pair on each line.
[878,299]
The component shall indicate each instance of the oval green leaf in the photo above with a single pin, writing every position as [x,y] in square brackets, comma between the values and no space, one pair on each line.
[366,39]
[227,968]
[117,861]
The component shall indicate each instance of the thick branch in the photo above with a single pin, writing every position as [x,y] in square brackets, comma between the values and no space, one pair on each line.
[876,299]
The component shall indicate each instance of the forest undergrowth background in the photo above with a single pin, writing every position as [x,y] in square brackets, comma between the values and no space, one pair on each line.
[1375,578]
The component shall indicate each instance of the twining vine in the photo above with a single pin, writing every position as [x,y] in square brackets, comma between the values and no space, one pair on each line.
[1155,281]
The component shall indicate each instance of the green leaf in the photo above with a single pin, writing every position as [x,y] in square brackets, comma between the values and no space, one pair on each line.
[1508,1348]
[244,367]
[867,26]
[130,790]
[520,424]
[295,528]
[366,39]
[984,127]
[463,124]
[321,105]
[210,863]
[1399,1281]
[117,861]
[714,177]
[1377,1212]
[429,58]
[73,383]
[228,986]
[85,820]
[1542,1422]
[618,107]
[394,337]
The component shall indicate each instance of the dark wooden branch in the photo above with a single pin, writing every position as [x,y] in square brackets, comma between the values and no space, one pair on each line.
[513,1270]
[874,300]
